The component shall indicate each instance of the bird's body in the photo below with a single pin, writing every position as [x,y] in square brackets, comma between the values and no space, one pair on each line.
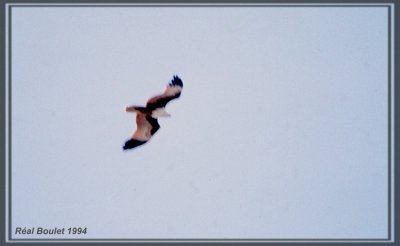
[146,117]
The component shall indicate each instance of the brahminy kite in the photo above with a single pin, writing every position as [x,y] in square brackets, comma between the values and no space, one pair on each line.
[146,117]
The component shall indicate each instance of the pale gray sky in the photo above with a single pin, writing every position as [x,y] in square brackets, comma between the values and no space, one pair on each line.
[280,132]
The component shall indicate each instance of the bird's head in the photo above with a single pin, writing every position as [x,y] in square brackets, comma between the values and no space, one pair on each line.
[160,112]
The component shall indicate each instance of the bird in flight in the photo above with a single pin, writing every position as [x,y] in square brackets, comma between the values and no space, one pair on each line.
[146,117]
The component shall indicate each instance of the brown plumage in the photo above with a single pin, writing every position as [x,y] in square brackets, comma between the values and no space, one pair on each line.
[146,117]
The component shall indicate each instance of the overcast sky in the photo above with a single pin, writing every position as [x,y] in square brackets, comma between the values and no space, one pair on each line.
[280,132]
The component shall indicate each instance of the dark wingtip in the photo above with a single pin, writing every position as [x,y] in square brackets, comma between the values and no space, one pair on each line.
[177,81]
[132,143]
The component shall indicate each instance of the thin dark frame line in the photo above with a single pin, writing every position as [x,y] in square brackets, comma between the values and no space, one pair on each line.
[389,123]
[388,5]
[202,239]
[9,121]
[203,5]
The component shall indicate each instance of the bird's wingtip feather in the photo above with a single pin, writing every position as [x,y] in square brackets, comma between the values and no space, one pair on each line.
[176,81]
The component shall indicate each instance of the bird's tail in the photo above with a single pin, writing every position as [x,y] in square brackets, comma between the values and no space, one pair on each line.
[137,109]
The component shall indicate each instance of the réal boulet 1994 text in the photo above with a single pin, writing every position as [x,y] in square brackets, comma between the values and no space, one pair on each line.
[50,231]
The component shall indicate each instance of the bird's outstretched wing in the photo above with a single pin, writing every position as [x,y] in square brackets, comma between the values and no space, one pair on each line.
[147,126]
[143,128]
[172,91]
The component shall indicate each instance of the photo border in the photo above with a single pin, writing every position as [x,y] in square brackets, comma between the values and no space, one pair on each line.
[393,92]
